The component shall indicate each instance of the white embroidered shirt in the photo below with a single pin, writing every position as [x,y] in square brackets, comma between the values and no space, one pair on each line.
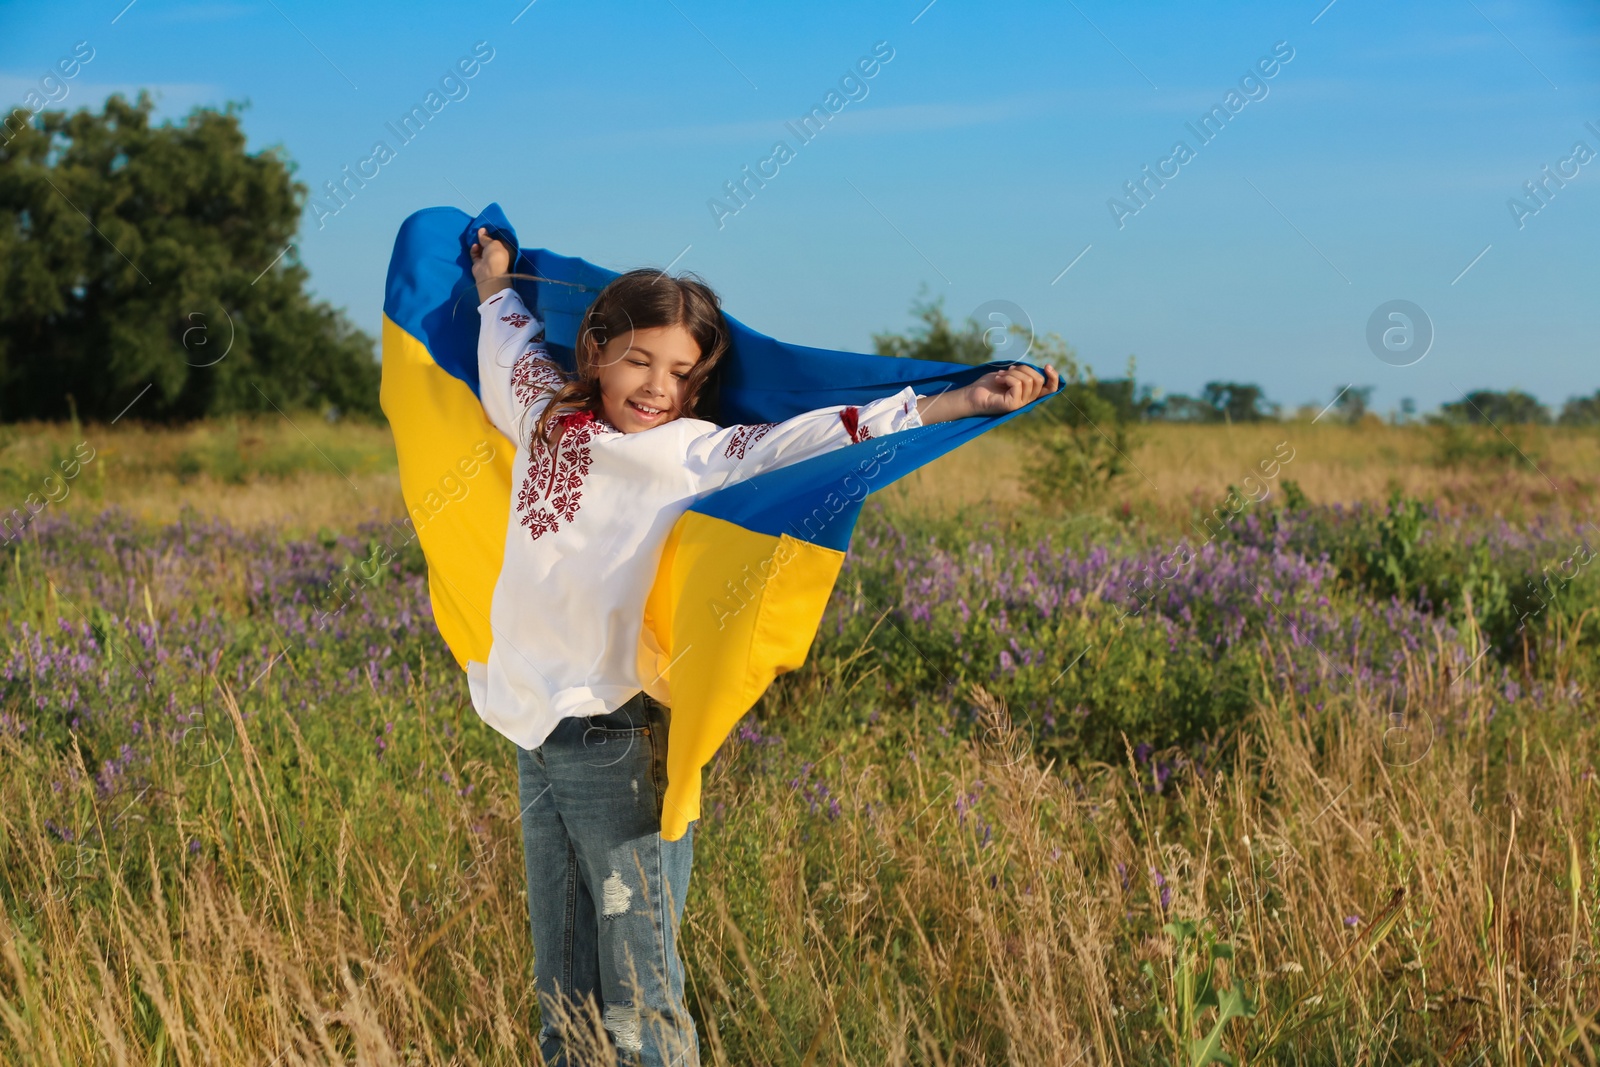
[588,525]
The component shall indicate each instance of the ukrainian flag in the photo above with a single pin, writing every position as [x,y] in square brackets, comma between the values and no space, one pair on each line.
[746,572]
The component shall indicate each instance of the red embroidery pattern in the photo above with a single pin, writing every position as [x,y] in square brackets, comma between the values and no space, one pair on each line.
[535,374]
[517,319]
[496,300]
[851,417]
[552,492]
[744,437]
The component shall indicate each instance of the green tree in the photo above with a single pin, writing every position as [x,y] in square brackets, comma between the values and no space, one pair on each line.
[1218,402]
[1085,436]
[1352,402]
[1486,405]
[1180,407]
[1581,410]
[1237,401]
[135,255]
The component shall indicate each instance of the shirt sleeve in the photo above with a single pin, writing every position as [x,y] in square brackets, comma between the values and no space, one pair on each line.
[733,453]
[515,371]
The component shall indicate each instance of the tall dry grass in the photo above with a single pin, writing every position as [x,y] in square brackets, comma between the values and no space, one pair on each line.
[1384,904]
[295,471]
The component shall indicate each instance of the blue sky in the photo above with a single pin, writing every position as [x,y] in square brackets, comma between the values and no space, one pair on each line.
[1374,165]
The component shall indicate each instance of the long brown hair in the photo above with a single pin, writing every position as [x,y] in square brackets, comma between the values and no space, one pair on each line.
[640,300]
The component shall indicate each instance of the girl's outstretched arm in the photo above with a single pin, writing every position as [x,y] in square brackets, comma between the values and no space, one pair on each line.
[733,453]
[996,393]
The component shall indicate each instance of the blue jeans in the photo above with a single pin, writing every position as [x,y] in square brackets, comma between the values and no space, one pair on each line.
[605,892]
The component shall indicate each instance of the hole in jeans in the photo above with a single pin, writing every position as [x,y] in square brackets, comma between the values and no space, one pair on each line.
[615,895]
[623,1022]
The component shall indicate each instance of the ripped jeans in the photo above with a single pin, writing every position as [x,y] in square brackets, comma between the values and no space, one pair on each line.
[605,892]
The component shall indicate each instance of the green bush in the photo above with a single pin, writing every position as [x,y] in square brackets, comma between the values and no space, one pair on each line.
[1458,444]
[1082,438]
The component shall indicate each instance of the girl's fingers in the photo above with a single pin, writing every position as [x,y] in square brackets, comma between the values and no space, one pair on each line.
[1023,384]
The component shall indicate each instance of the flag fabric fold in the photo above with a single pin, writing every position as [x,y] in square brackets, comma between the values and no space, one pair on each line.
[746,572]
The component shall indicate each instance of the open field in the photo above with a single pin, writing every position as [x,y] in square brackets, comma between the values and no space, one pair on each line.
[1088,786]
[306,473]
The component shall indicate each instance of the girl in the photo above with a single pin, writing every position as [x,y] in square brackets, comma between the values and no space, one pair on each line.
[605,465]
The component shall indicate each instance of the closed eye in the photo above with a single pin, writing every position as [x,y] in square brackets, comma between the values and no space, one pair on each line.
[680,375]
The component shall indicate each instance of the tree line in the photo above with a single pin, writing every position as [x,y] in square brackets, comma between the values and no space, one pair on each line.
[1125,400]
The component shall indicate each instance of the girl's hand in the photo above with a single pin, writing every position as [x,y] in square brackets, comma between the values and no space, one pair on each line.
[491,259]
[1003,391]
[996,393]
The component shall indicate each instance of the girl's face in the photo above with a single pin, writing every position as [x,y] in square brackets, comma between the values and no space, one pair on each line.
[641,376]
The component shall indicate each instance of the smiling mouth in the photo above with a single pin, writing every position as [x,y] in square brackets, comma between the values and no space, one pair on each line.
[646,413]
